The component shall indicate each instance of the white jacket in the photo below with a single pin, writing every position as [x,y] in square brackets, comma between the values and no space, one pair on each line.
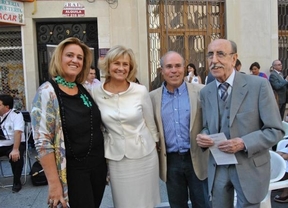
[130,128]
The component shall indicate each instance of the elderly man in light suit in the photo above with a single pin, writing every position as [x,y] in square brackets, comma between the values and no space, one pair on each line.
[248,116]
[177,111]
[279,85]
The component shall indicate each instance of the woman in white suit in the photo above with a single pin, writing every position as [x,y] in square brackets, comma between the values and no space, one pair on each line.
[130,132]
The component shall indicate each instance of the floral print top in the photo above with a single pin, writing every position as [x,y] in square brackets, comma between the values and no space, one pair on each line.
[47,129]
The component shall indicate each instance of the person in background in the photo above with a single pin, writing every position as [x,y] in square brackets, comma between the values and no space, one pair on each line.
[236,104]
[157,82]
[137,81]
[279,85]
[209,78]
[255,70]
[177,112]
[12,139]
[130,132]
[192,76]
[91,80]
[238,66]
[66,125]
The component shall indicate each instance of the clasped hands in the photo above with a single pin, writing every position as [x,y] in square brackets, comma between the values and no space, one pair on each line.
[229,146]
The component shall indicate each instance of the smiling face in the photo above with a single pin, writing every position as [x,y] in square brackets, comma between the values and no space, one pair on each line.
[173,70]
[72,61]
[119,69]
[221,59]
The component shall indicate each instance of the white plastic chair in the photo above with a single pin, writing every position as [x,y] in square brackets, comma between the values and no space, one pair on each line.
[285,126]
[278,169]
[282,144]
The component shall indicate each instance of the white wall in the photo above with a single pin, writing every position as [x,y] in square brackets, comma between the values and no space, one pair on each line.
[253,25]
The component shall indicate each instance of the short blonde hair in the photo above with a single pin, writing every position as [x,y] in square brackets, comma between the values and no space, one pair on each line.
[55,68]
[113,54]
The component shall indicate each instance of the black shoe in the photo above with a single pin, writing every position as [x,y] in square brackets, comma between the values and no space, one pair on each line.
[16,187]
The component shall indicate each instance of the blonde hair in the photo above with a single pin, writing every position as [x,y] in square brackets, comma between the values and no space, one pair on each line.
[55,68]
[113,54]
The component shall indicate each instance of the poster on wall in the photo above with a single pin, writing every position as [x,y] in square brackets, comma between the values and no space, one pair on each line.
[73,9]
[12,12]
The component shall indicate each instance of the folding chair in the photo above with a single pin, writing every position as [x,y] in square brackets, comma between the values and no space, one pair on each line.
[28,133]
[27,159]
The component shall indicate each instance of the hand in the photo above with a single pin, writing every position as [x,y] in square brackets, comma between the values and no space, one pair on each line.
[232,145]
[14,155]
[55,196]
[108,177]
[204,141]
[158,147]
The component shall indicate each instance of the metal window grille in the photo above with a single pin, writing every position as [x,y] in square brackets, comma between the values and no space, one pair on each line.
[185,26]
[11,67]
[283,34]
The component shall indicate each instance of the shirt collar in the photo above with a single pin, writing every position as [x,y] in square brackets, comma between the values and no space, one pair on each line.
[5,114]
[180,89]
[278,72]
[229,80]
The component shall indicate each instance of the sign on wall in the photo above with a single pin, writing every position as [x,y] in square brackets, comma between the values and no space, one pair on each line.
[73,9]
[11,12]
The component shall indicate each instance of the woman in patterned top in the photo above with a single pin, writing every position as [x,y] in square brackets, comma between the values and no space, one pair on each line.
[66,125]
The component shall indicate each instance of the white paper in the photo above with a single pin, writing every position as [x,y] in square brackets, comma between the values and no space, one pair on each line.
[220,157]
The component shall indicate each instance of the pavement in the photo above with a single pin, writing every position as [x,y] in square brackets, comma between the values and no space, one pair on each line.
[36,196]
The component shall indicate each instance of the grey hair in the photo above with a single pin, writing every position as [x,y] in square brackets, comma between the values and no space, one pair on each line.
[234,46]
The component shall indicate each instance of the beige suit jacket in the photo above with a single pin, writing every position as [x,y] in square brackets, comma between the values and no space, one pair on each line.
[198,156]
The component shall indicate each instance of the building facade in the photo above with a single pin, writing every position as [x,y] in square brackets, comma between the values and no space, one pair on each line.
[149,27]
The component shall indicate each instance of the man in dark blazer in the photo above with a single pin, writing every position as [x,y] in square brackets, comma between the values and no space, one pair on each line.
[177,112]
[248,116]
[279,85]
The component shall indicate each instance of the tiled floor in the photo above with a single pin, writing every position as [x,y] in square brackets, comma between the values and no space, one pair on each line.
[36,196]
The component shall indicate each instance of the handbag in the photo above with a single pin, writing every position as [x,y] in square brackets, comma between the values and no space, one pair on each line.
[38,177]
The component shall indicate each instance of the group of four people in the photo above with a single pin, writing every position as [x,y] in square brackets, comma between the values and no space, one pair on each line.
[119,127]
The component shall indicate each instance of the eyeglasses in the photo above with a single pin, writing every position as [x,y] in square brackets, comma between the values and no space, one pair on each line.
[219,54]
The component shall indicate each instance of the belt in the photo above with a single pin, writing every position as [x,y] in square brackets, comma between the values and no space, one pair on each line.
[181,153]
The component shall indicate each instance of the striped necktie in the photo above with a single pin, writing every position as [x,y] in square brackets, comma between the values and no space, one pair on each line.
[224,93]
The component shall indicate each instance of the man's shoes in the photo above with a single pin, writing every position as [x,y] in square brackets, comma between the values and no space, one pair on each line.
[16,187]
[280,199]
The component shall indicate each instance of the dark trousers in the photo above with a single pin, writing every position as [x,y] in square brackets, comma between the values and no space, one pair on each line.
[86,183]
[282,108]
[17,166]
[183,183]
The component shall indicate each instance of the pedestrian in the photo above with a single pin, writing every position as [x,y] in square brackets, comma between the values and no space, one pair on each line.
[243,108]
[12,139]
[130,132]
[91,80]
[66,126]
[279,85]
[177,111]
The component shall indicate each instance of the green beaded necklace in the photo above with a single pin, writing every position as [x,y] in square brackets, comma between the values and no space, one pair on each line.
[62,81]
